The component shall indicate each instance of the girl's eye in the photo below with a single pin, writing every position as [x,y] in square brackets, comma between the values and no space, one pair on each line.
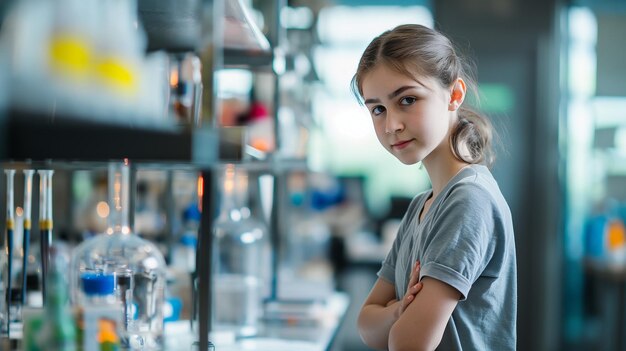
[377,110]
[408,100]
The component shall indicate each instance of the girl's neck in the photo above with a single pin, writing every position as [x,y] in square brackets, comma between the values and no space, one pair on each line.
[441,170]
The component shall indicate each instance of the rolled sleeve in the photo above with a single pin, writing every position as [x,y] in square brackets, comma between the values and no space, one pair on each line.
[448,276]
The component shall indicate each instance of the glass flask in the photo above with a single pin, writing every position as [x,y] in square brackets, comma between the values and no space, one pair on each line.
[137,264]
[242,255]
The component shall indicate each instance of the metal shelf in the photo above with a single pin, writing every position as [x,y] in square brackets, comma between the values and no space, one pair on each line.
[76,143]
[31,136]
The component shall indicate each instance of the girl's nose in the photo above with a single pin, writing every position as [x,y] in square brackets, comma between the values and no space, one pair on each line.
[393,124]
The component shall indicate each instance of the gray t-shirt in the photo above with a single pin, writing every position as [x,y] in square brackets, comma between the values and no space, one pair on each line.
[465,240]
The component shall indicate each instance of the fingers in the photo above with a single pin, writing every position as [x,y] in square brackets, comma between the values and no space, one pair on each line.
[414,287]
[414,277]
[412,291]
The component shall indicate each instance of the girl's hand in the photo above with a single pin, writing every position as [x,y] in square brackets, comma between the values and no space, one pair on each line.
[413,289]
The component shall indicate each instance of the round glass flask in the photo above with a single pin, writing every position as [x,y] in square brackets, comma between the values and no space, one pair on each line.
[137,264]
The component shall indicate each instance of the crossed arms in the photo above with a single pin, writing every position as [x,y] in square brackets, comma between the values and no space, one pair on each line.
[416,322]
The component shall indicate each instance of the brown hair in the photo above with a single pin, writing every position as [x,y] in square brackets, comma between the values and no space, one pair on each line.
[412,49]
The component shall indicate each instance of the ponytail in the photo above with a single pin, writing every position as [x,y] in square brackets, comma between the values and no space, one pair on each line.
[474,132]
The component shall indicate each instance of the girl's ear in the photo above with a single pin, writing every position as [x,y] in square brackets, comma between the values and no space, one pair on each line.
[457,95]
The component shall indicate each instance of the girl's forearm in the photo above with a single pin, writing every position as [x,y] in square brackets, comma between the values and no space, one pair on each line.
[375,322]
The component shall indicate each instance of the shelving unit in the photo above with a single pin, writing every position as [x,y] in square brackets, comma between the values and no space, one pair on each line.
[64,141]
[35,137]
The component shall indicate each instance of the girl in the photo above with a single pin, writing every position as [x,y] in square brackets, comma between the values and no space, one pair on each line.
[449,281]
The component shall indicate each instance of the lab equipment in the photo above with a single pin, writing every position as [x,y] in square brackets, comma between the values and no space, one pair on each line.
[45,223]
[137,264]
[28,194]
[242,260]
[11,311]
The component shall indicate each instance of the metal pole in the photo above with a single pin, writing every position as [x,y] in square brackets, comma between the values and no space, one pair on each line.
[171,214]
[210,50]
[204,260]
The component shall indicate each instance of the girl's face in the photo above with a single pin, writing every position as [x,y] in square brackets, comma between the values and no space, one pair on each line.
[412,115]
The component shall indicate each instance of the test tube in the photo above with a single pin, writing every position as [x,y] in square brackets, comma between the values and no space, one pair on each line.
[10,221]
[45,222]
[28,197]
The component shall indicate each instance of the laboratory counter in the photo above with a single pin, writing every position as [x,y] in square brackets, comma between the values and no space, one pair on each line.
[310,326]
[287,327]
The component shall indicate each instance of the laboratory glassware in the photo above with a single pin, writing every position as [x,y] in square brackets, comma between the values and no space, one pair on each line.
[45,223]
[28,194]
[137,264]
[10,309]
[242,252]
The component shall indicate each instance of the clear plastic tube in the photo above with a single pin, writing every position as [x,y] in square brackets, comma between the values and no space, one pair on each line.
[45,222]
[10,173]
[10,223]
[28,198]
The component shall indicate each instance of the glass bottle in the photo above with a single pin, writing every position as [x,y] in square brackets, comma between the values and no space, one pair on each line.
[242,248]
[254,220]
[137,264]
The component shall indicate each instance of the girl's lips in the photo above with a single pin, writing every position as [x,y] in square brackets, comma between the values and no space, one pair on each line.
[401,144]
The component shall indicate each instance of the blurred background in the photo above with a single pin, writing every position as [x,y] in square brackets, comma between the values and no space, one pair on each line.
[551,77]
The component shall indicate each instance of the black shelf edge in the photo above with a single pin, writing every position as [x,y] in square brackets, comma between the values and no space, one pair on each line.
[29,136]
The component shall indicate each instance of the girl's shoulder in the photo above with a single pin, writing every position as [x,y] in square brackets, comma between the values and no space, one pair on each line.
[476,191]
[474,181]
